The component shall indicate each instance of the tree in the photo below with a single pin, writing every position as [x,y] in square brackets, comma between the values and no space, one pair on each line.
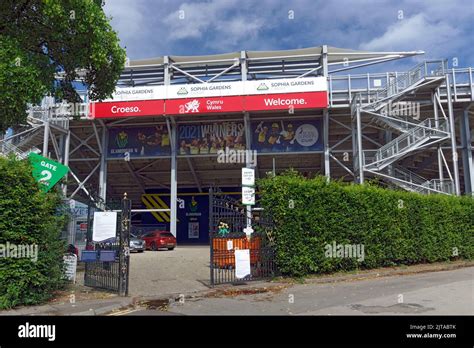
[41,38]
[30,220]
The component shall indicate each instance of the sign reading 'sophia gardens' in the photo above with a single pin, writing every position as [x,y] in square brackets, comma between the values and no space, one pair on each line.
[211,138]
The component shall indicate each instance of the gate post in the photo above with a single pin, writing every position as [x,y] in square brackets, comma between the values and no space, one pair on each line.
[124,240]
[211,229]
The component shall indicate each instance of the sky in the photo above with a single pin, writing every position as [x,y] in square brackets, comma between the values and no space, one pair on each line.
[153,28]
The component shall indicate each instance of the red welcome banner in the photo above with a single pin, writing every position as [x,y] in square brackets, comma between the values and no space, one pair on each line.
[304,100]
[127,109]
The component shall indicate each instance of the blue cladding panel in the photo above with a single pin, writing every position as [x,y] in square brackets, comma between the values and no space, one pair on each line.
[193,214]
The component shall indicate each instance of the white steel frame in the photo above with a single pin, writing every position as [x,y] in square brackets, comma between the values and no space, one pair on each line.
[341,92]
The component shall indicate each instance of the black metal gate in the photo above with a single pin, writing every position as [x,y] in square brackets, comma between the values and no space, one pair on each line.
[107,263]
[227,220]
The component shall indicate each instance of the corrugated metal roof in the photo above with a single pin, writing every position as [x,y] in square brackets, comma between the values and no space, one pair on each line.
[335,55]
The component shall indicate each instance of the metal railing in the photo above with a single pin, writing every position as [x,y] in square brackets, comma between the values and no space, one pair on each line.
[400,82]
[223,243]
[395,122]
[57,115]
[370,86]
[19,142]
[342,88]
[410,181]
[409,140]
[420,184]
[437,185]
[406,175]
[414,135]
[8,147]
[356,100]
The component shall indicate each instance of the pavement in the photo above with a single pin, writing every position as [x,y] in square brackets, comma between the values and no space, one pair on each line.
[87,307]
[182,270]
[165,272]
[176,283]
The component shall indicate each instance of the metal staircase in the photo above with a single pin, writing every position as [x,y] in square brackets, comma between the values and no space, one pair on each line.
[413,182]
[23,143]
[413,134]
[424,73]
[30,136]
[424,134]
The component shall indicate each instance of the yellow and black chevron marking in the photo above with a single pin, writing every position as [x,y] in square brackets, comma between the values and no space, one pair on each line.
[153,201]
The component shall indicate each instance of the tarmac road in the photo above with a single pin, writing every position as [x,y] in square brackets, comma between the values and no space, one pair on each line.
[436,293]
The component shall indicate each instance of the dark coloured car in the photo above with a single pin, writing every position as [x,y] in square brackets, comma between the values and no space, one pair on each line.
[159,240]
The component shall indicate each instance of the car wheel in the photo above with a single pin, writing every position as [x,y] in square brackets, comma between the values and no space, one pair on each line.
[153,246]
[171,248]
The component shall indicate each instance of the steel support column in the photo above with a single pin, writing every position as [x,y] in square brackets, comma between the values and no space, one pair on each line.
[67,144]
[243,65]
[325,60]
[45,139]
[327,165]
[360,153]
[103,164]
[388,137]
[61,147]
[436,117]
[467,164]
[173,179]
[193,172]
[248,137]
[354,148]
[167,75]
[248,145]
[453,137]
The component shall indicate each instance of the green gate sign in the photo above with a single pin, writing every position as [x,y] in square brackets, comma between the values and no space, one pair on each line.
[46,171]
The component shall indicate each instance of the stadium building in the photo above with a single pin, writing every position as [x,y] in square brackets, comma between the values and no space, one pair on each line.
[179,125]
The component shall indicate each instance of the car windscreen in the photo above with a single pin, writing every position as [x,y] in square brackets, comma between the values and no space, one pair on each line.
[166,234]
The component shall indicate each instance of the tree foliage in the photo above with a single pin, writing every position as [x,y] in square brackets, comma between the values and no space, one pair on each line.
[28,216]
[41,38]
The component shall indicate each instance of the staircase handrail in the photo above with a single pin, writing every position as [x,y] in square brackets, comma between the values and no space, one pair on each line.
[426,125]
[409,175]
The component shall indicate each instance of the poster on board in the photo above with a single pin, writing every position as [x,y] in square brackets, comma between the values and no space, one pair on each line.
[193,230]
[209,138]
[287,136]
[139,142]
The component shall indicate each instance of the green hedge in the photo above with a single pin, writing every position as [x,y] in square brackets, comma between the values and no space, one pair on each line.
[28,217]
[394,227]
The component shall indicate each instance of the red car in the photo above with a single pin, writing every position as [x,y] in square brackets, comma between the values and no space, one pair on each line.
[159,239]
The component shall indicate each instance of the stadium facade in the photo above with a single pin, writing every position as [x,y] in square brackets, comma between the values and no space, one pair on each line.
[179,125]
